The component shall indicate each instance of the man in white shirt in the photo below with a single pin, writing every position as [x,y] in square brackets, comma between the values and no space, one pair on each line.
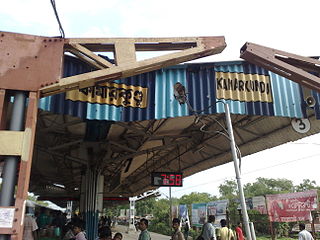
[304,234]
[209,231]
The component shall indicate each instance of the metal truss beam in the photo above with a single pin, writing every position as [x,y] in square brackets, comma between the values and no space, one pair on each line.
[303,70]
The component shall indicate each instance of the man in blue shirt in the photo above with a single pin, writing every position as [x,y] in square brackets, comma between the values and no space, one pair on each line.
[209,231]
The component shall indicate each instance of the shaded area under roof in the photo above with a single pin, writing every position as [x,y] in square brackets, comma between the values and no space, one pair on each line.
[128,143]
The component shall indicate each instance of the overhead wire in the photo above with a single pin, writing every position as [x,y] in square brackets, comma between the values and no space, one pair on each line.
[198,119]
[53,3]
[249,172]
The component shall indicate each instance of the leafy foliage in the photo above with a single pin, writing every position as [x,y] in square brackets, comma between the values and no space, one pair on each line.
[228,189]
[306,184]
[265,186]
[160,208]
[196,197]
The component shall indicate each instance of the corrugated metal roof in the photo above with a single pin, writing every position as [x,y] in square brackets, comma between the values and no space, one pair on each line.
[286,97]
[165,104]
[316,96]
[246,80]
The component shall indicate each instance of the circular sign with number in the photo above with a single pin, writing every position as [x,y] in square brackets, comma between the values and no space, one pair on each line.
[301,125]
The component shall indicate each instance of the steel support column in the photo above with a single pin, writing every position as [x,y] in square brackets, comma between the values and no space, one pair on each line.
[237,171]
[91,213]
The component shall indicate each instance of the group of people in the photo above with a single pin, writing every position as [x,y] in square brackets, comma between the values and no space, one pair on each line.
[46,222]
[75,230]
[224,233]
[208,231]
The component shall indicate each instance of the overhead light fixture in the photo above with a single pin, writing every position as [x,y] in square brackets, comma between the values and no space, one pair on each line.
[58,185]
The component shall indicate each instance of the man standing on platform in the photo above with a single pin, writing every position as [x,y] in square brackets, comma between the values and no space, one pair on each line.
[304,234]
[143,225]
[209,231]
[224,232]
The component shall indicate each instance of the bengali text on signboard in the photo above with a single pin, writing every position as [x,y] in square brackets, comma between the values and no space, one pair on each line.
[291,207]
[112,94]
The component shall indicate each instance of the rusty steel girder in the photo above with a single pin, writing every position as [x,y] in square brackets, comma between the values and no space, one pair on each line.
[28,62]
[303,70]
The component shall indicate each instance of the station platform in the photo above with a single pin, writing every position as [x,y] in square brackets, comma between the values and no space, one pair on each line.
[133,235]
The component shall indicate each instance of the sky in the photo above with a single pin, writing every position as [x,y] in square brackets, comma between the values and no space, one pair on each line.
[288,25]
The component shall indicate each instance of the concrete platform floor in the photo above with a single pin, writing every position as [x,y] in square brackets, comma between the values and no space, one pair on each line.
[133,235]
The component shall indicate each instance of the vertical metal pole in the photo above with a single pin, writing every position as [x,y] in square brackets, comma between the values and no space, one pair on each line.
[313,215]
[237,171]
[132,210]
[170,215]
[11,163]
[253,233]
[270,223]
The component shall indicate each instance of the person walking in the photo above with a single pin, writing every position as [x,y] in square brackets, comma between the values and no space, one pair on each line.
[208,230]
[239,232]
[304,234]
[30,226]
[144,234]
[224,232]
[177,234]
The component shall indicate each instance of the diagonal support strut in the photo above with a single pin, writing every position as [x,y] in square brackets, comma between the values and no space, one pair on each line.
[303,70]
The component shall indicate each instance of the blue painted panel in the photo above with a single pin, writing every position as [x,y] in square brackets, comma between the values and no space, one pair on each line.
[316,96]
[201,87]
[286,97]
[199,80]
[103,112]
[146,80]
[165,103]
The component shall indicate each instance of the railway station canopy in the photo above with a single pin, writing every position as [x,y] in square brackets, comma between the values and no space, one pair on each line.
[134,126]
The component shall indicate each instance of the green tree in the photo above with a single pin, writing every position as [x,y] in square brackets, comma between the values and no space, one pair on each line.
[196,197]
[264,186]
[160,222]
[228,190]
[145,206]
[306,184]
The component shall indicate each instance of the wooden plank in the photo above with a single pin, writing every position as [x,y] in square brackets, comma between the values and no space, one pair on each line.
[141,44]
[6,231]
[26,144]
[136,40]
[25,164]
[125,52]
[3,108]
[206,48]
[99,60]
[84,58]
[11,143]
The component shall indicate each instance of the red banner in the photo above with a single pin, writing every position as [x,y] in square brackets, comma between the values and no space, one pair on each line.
[291,207]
